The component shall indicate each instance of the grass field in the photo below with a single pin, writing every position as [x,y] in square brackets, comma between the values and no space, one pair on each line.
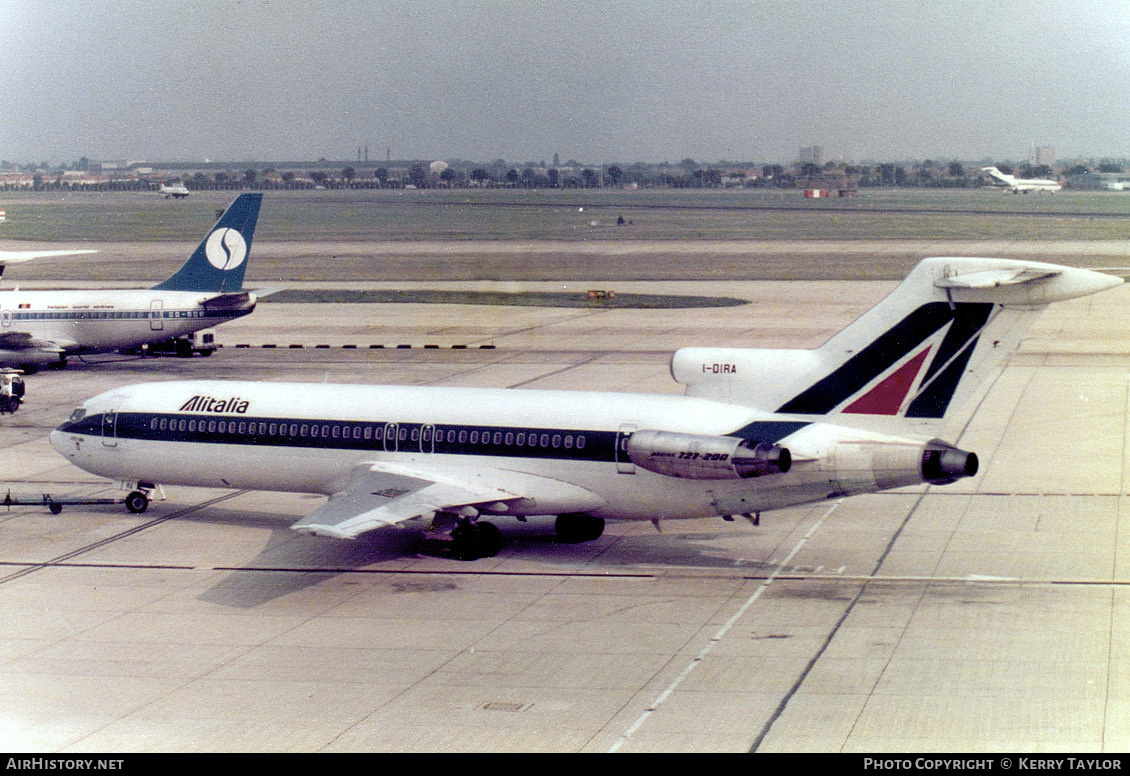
[502,214]
[516,235]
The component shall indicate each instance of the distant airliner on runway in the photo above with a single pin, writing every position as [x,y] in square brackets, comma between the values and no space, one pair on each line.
[1023,185]
[757,429]
[174,190]
[43,327]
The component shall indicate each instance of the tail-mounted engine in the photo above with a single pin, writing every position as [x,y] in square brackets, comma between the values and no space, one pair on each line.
[943,463]
[866,466]
[699,457]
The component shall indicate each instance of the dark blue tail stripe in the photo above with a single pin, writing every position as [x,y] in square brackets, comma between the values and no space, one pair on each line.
[894,344]
[948,366]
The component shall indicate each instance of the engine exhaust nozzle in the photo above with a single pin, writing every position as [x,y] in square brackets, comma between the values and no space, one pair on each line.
[943,463]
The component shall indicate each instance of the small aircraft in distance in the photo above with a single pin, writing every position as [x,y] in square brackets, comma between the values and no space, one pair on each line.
[42,328]
[175,190]
[758,429]
[1023,185]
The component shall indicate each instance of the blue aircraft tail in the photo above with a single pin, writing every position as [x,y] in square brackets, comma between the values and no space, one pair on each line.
[218,263]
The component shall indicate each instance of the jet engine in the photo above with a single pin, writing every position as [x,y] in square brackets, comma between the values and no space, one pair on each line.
[865,466]
[943,463]
[701,457]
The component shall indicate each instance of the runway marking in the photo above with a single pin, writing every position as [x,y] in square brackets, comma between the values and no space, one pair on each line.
[299,346]
[654,707]
[60,560]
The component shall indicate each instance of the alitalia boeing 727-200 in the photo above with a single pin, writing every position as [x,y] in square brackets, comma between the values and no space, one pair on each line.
[757,429]
[40,328]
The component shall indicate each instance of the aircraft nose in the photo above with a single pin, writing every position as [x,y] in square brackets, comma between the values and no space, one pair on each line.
[58,439]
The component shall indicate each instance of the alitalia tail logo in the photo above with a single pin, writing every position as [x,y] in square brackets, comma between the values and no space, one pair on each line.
[212,404]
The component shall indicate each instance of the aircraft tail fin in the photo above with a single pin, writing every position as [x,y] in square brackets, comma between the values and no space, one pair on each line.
[1000,176]
[218,263]
[915,359]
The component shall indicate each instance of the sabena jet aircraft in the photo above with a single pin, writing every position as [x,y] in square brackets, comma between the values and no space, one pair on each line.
[756,430]
[40,328]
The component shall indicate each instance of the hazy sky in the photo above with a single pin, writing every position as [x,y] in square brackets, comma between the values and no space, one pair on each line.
[619,81]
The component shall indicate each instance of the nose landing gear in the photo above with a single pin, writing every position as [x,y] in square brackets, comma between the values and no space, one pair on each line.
[137,502]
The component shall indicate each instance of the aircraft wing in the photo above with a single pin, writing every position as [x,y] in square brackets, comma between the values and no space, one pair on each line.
[15,257]
[378,495]
[22,340]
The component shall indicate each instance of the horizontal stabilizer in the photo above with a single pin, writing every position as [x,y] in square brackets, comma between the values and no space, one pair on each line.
[996,278]
[228,301]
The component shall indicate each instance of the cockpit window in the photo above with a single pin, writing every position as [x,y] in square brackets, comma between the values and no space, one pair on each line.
[78,415]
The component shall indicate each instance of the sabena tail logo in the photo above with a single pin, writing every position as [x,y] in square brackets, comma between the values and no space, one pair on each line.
[226,249]
[212,404]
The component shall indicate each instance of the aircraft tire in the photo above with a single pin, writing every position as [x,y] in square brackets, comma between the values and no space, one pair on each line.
[137,502]
[490,539]
[573,528]
[466,542]
[474,541]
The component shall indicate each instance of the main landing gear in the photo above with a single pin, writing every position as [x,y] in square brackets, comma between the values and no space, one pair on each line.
[576,527]
[476,540]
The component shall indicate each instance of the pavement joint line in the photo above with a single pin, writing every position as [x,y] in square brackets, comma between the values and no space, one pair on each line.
[717,638]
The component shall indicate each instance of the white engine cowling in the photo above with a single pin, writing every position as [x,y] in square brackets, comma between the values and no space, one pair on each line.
[700,457]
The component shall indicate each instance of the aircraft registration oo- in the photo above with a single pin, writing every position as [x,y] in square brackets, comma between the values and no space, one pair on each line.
[756,430]
[39,328]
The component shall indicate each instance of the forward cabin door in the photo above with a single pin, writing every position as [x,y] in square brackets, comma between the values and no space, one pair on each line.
[110,428]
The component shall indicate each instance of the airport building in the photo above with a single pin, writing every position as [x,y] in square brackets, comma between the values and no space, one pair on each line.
[813,154]
[1108,181]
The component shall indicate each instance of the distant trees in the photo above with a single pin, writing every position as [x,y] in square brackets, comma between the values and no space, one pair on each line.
[571,174]
[418,175]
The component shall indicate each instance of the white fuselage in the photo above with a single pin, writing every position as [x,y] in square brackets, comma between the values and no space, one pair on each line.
[1034,184]
[562,451]
[105,320]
